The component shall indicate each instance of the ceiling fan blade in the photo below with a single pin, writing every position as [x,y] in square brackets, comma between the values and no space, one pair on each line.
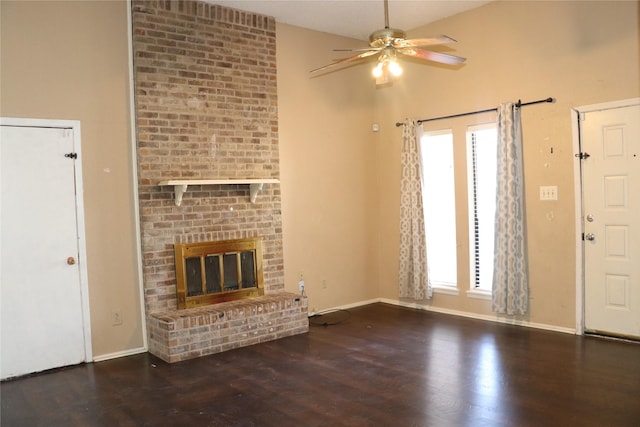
[361,49]
[424,42]
[429,55]
[345,60]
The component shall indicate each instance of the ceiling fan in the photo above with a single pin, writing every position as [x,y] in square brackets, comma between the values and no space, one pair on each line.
[388,43]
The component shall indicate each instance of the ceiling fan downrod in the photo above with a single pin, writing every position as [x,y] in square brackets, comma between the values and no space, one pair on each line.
[386,14]
[387,36]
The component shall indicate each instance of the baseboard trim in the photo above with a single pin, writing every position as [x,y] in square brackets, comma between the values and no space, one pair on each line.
[345,307]
[417,306]
[119,354]
[477,316]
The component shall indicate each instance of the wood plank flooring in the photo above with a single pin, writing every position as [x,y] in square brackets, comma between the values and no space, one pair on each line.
[381,366]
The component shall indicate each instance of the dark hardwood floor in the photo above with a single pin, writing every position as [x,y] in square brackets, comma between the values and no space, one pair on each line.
[381,366]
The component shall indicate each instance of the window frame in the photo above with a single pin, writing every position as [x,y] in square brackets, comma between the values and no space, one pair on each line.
[474,291]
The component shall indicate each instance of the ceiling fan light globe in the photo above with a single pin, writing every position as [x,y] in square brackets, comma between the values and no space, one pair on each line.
[395,69]
[377,70]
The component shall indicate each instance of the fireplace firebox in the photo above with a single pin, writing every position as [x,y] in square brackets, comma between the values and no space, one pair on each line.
[213,272]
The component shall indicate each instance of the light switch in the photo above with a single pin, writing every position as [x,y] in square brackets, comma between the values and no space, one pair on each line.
[549,192]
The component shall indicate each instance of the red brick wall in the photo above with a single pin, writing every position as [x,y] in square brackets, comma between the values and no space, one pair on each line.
[206,108]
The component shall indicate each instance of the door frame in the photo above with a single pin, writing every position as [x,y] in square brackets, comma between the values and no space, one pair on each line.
[74,125]
[577,182]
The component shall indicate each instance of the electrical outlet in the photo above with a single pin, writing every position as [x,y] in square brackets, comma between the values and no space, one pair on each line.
[116,317]
[324,283]
[300,275]
[301,286]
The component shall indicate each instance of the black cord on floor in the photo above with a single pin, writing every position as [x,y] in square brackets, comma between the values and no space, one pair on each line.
[332,317]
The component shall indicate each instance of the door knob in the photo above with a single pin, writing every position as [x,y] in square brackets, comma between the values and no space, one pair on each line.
[590,236]
[71,260]
[590,218]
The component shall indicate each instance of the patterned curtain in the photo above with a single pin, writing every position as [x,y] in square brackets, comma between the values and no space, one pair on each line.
[413,279]
[510,270]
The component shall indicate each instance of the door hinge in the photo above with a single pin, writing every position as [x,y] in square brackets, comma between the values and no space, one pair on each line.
[582,116]
[583,156]
[71,155]
[582,236]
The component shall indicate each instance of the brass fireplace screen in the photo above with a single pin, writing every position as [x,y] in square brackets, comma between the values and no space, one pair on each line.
[212,272]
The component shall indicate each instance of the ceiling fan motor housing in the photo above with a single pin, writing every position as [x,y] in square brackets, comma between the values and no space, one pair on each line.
[386,37]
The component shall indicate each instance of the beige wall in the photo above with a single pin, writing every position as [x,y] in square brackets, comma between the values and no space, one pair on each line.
[69,60]
[327,171]
[578,52]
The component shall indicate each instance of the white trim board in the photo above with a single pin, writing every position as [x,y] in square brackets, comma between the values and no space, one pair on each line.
[577,192]
[134,179]
[345,307]
[607,105]
[476,316]
[118,354]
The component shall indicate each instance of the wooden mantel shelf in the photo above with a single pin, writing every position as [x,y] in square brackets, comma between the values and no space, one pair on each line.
[180,185]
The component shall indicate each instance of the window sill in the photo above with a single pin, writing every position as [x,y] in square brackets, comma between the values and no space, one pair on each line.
[446,290]
[478,294]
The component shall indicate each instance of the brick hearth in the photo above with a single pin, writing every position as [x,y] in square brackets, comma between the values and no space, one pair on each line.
[185,334]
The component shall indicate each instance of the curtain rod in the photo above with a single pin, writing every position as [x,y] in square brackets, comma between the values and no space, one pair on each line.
[518,104]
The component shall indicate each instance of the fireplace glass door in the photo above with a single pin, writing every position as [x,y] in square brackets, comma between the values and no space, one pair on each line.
[218,271]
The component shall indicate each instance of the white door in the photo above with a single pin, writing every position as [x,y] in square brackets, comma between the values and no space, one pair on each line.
[611,210]
[42,307]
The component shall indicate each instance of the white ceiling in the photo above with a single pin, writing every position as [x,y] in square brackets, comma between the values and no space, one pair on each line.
[353,18]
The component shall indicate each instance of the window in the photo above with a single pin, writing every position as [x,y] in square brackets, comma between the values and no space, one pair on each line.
[438,194]
[482,142]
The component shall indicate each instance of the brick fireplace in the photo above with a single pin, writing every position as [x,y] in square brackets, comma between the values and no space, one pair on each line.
[206,108]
